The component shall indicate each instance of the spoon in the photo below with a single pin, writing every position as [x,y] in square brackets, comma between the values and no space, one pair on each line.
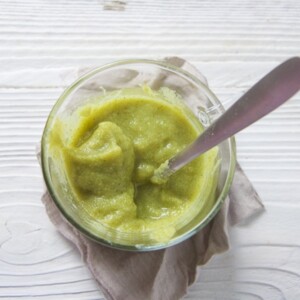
[265,96]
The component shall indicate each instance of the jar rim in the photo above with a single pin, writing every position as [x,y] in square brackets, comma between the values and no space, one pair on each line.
[218,202]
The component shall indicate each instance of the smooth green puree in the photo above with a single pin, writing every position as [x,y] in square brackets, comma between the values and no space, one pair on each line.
[111,146]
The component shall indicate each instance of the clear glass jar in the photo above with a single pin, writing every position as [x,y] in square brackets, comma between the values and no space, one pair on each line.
[129,74]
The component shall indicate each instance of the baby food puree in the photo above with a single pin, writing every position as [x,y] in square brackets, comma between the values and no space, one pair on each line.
[110,147]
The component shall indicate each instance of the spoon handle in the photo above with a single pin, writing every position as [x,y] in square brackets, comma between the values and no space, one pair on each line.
[265,96]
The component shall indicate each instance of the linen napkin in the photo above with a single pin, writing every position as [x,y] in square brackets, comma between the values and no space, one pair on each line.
[163,274]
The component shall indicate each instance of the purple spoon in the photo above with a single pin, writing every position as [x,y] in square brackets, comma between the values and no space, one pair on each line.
[265,96]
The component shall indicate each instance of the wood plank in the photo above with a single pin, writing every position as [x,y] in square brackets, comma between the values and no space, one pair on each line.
[234,43]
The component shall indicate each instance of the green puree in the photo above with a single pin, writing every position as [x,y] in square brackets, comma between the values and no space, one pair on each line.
[111,147]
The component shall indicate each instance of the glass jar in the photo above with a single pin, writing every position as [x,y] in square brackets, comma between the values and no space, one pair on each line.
[130,74]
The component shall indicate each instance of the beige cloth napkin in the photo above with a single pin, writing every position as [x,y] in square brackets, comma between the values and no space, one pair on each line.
[163,274]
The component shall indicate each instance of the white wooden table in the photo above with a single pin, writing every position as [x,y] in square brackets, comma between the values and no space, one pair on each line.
[234,43]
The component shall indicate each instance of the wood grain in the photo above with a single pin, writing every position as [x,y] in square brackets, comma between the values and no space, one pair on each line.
[234,43]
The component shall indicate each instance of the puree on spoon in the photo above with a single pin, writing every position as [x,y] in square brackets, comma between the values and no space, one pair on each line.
[111,146]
